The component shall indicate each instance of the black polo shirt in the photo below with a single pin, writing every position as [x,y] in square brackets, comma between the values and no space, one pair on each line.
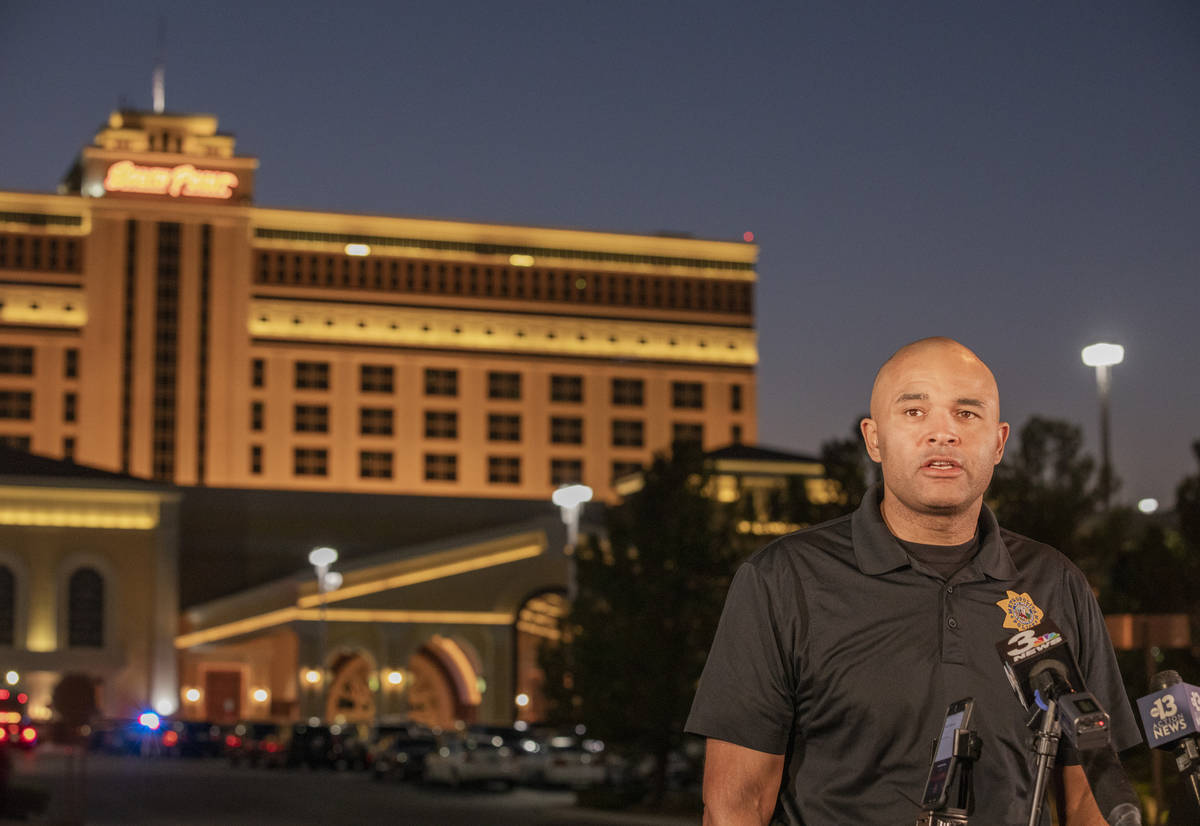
[836,649]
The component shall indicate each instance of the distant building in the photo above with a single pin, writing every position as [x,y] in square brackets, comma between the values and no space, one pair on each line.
[88,583]
[154,322]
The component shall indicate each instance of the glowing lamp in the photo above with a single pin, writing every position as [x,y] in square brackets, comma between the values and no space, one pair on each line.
[331,581]
[192,695]
[358,250]
[150,720]
[571,496]
[322,557]
[522,700]
[28,734]
[22,698]
[260,695]
[312,676]
[518,260]
[12,678]
[1103,355]
[395,677]
[1147,505]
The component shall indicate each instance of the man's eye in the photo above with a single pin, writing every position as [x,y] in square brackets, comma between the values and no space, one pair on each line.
[968,414]
[913,411]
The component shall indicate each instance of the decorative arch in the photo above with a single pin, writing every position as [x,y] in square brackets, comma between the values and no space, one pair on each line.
[445,688]
[538,622]
[350,698]
[14,603]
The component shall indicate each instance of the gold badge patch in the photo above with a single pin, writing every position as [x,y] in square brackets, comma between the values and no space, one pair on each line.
[1019,611]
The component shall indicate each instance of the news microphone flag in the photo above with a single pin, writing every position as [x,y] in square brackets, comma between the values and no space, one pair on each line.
[1170,713]
[1041,644]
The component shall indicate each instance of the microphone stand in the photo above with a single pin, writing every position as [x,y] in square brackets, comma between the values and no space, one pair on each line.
[967,747]
[1045,746]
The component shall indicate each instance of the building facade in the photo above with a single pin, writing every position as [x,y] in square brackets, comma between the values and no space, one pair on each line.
[154,322]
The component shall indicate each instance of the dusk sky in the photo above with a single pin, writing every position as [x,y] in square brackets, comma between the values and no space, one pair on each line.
[1022,176]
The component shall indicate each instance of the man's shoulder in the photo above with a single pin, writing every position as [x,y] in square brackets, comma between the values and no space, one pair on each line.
[804,548]
[1027,553]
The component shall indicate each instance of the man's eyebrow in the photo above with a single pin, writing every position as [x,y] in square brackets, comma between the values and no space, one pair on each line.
[967,402]
[912,397]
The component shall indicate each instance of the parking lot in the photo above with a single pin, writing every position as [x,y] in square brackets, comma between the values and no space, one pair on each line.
[125,790]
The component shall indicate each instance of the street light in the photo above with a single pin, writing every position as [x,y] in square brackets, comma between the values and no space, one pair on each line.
[570,500]
[321,559]
[1103,356]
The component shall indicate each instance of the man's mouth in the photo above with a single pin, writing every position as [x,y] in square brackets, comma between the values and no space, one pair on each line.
[942,464]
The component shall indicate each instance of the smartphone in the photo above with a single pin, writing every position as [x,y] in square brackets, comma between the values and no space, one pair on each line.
[941,770]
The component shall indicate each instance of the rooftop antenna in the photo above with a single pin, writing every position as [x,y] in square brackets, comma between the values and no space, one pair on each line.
[160,68]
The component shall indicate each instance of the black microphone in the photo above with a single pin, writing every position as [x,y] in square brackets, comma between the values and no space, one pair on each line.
[1171,719]
[1041,668]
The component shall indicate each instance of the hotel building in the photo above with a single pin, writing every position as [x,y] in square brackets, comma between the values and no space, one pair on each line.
[155,322]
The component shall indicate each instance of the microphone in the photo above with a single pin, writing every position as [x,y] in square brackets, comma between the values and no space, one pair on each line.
[1171,719]
[1042,669]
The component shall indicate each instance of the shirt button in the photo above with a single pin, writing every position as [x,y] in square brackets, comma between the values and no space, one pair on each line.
[949,589]
[952,622]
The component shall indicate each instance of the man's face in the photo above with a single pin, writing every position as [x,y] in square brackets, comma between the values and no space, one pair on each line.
[935,428]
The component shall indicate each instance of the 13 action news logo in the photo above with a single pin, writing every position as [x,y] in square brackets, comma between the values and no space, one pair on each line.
[1166,711]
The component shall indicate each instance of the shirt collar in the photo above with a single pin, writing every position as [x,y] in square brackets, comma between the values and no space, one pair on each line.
[877,551]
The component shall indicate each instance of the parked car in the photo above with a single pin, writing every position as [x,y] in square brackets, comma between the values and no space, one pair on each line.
[564,761]
[188,738]
[256,744]
[472,758]
[401,755]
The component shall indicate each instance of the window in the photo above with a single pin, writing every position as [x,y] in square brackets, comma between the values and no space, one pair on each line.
[256,416]
[256,459]
[441,424]
[258,373]
[68,450]
[312,375]
[735,434]
[375,464]
[15,442]
[16,404]
[441,467]
[735,397]
[375,421]
[687,432]
[627,433]
[311,418]
[85,609]
[566,389]
[70,407]
[566,430]
[8,613]
[623,469]
[71,363]
[628,392]
[504,385]
[687,395]
[376,378]
[503,427]
[310,461]
[566,471]
[16,361]
[441,382]
[504,470]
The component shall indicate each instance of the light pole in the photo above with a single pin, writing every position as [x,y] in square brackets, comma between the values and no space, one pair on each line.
[321,559]
[570,500]
[1103,356]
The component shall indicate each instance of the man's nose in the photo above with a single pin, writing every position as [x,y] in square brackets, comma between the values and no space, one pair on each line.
[943,430]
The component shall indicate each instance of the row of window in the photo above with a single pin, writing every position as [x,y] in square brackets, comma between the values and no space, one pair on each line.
[380,378]
[19,361]
[18,404]
[85,608]
[443,424]
[533,283]
[37,252]
[437,467]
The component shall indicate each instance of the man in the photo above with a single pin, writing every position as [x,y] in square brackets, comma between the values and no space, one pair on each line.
[840,646]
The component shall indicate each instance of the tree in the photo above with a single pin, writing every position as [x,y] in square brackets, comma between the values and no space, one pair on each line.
[1187,505]
[1045,490]
[848,466]
[649,597]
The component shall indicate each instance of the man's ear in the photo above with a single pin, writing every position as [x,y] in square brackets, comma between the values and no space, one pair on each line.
[870,434]
[1001,441]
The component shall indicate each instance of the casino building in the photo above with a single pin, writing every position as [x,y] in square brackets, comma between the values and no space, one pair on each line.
[410,390]
[155,322]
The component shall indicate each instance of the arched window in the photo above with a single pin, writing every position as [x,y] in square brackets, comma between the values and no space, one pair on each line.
[85,609]
[8,606]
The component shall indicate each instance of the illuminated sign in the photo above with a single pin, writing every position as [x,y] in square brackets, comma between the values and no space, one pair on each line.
[185,180]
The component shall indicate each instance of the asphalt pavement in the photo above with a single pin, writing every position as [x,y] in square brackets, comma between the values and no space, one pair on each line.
[107,790]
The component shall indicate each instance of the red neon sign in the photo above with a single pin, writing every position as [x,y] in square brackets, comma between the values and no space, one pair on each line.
[185,180]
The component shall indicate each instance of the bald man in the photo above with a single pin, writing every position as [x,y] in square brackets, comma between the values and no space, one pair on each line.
[840,646]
